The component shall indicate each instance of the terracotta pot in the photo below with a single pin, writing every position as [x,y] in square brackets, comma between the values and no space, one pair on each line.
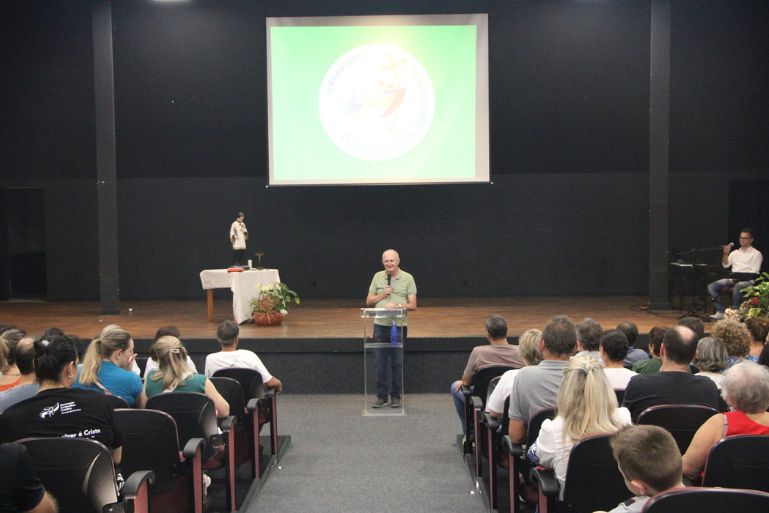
[268,319]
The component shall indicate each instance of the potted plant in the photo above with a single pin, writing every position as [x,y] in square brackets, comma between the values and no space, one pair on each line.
[756,302]
[272,304]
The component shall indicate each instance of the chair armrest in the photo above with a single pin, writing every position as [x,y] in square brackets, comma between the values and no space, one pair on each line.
[476,403]
[466,390]
[192,446]
[227,423]
[135,481]
[253,404]
[546,480]
[514,450]
[492,424]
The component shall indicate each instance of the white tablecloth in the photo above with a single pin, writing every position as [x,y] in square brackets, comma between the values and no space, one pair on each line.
[245,286]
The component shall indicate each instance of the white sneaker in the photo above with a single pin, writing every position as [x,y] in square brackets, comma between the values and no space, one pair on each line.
[206,484]
[717,316]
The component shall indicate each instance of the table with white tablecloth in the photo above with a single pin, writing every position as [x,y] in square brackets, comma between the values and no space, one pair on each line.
[244,285]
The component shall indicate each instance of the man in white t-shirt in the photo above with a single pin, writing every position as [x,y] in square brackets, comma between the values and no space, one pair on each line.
[614,348]
[745,263]
[230,357]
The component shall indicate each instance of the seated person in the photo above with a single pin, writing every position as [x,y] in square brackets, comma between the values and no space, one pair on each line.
[745,264]
[59,410]
[653,364]
[614,347]
[758,329]
[20,488]
[674,384]
[24,356]
[230,357]
[710,359]
[497,352]
[528,345]
[745,388]
[634,354]
[107,365]
[735,337]
[9,373]
[589,334]
[174,376]
[536,387]
[648,458]
[152,361]
[587,406]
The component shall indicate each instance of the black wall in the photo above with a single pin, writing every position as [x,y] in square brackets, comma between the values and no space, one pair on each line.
[567,213]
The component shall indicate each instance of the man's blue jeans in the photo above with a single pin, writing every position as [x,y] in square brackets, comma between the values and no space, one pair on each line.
[459,403]
[715,288]
[395,357]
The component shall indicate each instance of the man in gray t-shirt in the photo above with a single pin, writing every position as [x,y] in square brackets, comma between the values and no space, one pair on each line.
[536,388]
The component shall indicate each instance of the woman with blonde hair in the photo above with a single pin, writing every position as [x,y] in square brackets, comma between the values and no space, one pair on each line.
[173,375]
[587,405]
[107,365]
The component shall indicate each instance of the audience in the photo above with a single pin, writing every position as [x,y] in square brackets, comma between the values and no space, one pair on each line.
[589,338]
[614,348]
[648,459]
[710,359]
[152,361]
[107,365]
[673,384]
[497,352]
[536,388]
[528,345]
[758,329]
[736,338]
[20,488]
[634,354]
[24,355]
[587,406]
[746,390]
[173,375]
[652,365]
[59,410]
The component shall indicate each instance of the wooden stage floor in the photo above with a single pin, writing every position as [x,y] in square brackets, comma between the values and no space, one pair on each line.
[332,318]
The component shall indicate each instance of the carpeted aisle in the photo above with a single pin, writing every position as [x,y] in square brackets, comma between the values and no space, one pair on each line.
[340,461]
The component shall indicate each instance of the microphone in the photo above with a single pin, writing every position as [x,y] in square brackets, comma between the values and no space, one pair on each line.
[389,279]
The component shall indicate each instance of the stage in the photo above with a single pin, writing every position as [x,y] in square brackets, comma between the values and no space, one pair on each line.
[318,348]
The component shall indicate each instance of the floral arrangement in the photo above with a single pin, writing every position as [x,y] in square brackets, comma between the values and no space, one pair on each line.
[276,297]
[756,302]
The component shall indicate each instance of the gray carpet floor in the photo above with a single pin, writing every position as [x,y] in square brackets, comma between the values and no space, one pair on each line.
[340,461]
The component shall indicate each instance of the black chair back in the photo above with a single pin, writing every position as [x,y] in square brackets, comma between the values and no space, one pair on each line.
[493,382]
[593,480]
[708,500]
[740,461]
[682,420]
[77,471]
[194,413]
[535,423]
[117,401]
[150,442]
[249,379]
[620,393]
[483,377]
[232,391]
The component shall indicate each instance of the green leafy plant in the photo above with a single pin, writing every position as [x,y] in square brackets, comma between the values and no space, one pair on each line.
[756,296]
[274,298]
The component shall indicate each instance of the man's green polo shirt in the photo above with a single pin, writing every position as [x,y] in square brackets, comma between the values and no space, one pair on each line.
[403,286]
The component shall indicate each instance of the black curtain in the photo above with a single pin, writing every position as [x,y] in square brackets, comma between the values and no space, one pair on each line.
[748,207]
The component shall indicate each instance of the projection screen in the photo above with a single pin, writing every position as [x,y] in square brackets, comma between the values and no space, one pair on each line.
[378,99]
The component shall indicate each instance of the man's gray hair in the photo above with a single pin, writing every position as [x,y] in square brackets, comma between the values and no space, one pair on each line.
[496,326]
[227,332]
[746,387]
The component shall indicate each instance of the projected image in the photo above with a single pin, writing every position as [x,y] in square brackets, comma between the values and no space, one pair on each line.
[378,100]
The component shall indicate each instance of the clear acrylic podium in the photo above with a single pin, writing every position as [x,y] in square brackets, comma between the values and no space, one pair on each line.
[383,344]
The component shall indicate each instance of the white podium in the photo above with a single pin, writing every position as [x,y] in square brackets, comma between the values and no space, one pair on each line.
[383,360]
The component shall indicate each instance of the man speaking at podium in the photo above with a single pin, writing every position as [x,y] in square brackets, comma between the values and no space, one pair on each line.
[391,288]
[745,263]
